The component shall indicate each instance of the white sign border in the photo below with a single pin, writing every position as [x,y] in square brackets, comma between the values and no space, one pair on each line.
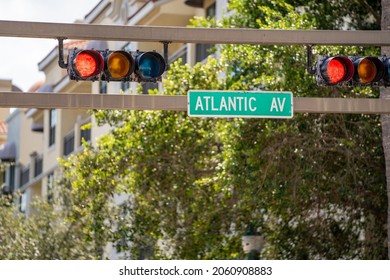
[242,116]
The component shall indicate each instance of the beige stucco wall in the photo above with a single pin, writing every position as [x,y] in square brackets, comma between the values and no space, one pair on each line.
[29,141]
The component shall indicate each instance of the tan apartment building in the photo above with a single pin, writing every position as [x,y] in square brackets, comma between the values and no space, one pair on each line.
[7,145]
[40,137]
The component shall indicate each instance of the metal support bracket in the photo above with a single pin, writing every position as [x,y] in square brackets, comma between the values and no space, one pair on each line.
[311,69]
[165,45]
[61,61]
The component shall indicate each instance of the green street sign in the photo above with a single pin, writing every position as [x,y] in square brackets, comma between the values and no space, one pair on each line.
[243,104]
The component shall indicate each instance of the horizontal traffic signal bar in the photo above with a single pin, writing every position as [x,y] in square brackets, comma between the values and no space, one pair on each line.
[177,103]
[194,35]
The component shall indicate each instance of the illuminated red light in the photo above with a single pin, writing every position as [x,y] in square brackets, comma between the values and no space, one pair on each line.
[336,71]
[88,64]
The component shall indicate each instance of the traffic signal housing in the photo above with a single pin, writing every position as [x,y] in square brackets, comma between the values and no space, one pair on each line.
[352,71]
[120,65]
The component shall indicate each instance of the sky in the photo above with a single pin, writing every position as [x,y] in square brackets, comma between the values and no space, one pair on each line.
[20,56]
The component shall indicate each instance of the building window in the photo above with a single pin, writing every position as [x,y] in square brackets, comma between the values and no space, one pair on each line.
[23,203]
[24,176]
[50,187]
[180,54]
[69,144]
[4,185]
[38,166]
[52,124]
[85,133]
[211,10]
[12,174]
[203,51]
[146,86]
[102,87]
[125,86]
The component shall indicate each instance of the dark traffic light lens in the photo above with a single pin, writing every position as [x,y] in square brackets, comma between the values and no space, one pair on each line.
[386,75]
[88,63]
[150,65]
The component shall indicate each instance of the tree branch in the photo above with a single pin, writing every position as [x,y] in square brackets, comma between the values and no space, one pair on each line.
[371,10]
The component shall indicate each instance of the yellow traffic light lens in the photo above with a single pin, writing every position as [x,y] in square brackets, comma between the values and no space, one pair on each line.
[119,64]
[88,64]
[367,71]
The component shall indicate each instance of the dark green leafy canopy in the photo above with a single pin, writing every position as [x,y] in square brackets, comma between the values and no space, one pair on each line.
[313,186]
[333,14]
[163,185]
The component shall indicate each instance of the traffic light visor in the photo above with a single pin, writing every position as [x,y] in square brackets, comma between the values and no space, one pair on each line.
[88,63]
[337,69]
[120,64]
[150,65]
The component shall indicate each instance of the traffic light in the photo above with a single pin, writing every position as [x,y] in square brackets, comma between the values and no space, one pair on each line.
[121,65]
[353,71]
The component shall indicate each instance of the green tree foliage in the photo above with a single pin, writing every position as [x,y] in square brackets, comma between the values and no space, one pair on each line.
[313,186]
[163,185]
[333,14]
[46,234]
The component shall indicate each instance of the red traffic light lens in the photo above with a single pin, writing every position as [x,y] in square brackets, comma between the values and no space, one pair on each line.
[337,69]
[88,63]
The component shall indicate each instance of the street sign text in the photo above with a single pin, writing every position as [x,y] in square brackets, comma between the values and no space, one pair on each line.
[246,104]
